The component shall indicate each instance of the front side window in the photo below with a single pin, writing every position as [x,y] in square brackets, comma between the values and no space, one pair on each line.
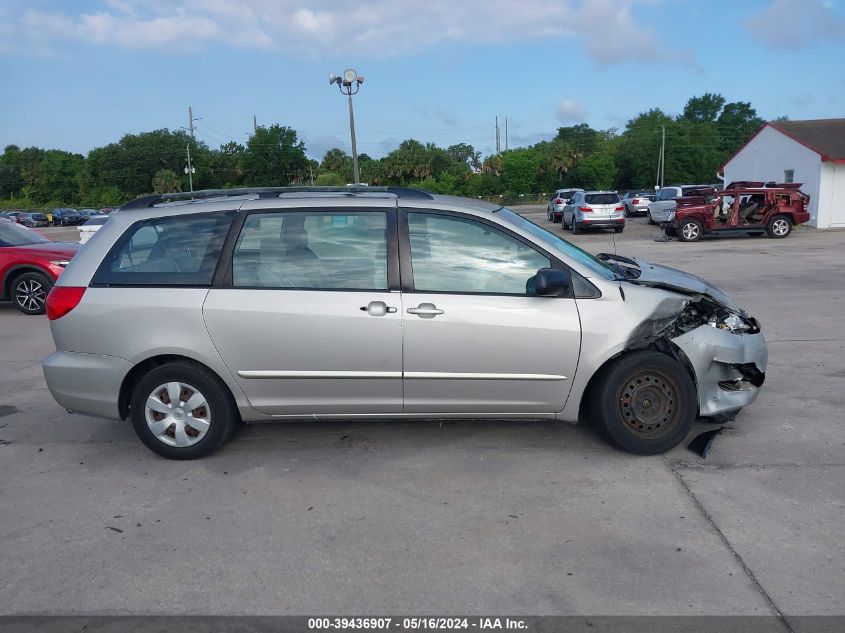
[320,250]
[179,250]
[460,255]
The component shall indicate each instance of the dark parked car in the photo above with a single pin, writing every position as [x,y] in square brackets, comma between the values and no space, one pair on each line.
[68,217]
[29,266]
[33,220]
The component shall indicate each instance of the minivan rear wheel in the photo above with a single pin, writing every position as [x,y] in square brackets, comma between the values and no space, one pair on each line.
[644,403]
[182,411]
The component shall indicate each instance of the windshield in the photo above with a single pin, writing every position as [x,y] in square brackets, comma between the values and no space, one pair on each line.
[578,254]
[16,235]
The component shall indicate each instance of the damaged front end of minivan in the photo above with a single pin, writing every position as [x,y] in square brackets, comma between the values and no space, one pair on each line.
[721,345]
[725,350]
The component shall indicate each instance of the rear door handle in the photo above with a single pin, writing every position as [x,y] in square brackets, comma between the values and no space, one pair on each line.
[425,310]
[378,308]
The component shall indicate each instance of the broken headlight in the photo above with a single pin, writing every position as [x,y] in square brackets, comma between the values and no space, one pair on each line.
[706,312]
[729,321]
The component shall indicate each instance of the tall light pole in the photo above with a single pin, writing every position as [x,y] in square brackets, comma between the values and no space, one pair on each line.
[349,84]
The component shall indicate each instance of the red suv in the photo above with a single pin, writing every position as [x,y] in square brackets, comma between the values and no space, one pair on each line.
[29,266]
[747,207]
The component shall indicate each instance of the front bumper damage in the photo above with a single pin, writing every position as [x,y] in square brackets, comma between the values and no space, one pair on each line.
[729,368]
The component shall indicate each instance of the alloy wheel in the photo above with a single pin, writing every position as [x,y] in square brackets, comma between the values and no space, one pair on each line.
[31,295]
[691,231]
[780,227]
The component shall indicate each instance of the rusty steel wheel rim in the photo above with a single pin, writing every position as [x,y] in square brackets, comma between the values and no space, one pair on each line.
[648,404]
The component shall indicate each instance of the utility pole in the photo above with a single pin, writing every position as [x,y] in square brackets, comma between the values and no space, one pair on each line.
[254,124]
[506,133]
[190,169]
[661,157]
[497,136]
[357,172]
[311,171]
[191,122]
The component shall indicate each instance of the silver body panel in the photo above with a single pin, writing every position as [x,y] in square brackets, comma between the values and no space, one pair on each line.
[316,354]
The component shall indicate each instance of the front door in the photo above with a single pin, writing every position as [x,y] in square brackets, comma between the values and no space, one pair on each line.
[306,321]
[475,340]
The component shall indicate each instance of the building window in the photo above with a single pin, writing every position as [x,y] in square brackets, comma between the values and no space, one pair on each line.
[789,175]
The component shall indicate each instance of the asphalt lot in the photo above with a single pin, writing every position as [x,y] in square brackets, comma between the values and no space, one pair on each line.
[459,517]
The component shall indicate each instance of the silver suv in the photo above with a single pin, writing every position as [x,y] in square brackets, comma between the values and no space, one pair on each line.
[191,313]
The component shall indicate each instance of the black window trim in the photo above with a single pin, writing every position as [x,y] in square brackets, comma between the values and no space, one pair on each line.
[130,231]
[223,275]
[407,270]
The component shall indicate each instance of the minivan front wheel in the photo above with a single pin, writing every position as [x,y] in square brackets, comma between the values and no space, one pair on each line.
[182,411]
[644,403]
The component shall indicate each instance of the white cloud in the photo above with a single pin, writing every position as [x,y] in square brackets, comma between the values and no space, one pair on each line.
[375,27]
[570,111]
[791,24]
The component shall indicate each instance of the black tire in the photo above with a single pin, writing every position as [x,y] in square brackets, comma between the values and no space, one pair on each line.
[690,231]
[618,229]
[222,413]
[576,228]
[563,225]
[29,292]
[650,221]
[779,227]
[644,403]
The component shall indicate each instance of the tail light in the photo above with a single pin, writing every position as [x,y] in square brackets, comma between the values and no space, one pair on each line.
[621,207]
[635,201]
[559,201]
[585,209]
[63,299]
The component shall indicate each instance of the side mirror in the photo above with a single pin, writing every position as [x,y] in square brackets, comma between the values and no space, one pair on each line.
[551,282]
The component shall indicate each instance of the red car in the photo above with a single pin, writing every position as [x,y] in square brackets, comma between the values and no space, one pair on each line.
[746,207]
[29,266]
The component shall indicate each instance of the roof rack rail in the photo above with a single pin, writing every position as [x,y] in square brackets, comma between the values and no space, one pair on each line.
[145,202]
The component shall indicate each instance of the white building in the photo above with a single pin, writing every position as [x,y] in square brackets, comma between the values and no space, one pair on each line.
[810,152]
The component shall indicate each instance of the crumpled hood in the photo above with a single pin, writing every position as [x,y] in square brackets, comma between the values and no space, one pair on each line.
[677,280]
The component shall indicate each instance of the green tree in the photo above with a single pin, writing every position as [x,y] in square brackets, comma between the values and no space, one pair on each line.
[737,123]
[165,181]
[274,157]
[582,138]
[596,171]
[703,109]
[519,170]
[339,162]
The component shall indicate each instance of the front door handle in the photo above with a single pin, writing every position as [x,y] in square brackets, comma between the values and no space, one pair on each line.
[377,308]
[425,310]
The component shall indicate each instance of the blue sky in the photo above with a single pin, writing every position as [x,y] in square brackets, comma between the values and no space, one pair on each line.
[80,74]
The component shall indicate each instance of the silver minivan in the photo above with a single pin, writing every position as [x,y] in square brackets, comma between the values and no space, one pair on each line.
[189,314]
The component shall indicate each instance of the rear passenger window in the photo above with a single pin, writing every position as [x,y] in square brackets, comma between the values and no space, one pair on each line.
[318,250]
[180,250]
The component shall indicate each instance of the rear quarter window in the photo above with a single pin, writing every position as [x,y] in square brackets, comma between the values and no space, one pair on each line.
[602,198]
[179,250]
